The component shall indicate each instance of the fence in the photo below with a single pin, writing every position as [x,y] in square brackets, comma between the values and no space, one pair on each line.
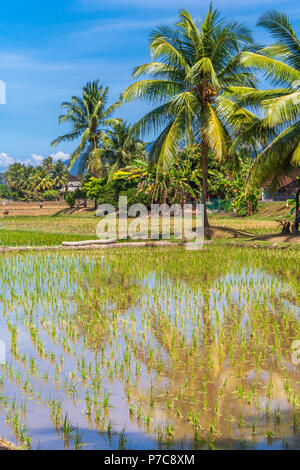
[216,205]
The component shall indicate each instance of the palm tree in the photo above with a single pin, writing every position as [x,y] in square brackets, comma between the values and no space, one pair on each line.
[59,175]
[40,180]
[280,63]
[18,177]
[89,118]
[197,63]
[121,147]
[47,164]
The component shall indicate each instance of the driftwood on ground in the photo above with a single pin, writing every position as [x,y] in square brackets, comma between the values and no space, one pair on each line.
[90,242]
[91,246]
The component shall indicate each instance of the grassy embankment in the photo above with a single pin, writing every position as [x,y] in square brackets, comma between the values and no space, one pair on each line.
[62,224]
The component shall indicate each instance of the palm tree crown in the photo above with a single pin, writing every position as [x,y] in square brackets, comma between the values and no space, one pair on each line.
[281,64]
[120,147]
[194,64]
[89,118]
[60,175]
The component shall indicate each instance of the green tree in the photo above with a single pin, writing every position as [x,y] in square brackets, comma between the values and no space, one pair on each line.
[279,63]
[89,118]
[40,180]
[17,178]
[59,175]
[5,192]
[47,164]
[194,64]
[121,147]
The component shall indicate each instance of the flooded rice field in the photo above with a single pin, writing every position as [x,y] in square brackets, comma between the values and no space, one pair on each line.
[151,349]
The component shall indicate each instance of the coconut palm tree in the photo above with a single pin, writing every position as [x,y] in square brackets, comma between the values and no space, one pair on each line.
[89,117]
[120,147]
[18,177]
[59,175]
[40,180]
[194,64]
[47,164]
[281,64]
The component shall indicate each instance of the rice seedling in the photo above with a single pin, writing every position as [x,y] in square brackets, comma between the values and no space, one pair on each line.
[200,340]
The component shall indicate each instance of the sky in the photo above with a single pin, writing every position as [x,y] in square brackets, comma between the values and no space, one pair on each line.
[50,49]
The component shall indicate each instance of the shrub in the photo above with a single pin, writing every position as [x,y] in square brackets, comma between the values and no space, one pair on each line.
[108,194]
[70,199]
[135,197]
[51,195]
[5,192]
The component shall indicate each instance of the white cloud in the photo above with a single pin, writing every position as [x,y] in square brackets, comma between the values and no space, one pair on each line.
[60,156]
[33,160]
[37,158]
[5,160]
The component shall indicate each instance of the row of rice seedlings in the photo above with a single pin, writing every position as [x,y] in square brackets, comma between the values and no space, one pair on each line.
[176,334]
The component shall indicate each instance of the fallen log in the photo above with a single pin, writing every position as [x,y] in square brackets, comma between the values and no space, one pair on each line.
[90,242]
[93,244]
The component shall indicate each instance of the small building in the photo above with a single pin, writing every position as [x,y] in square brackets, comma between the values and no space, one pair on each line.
[74,183]
[282,193]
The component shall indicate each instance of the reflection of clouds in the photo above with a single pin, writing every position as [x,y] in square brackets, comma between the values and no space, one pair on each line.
[175,310]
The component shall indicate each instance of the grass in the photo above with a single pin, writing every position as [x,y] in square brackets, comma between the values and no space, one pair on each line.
[49,230]
[38,238]
[67,224]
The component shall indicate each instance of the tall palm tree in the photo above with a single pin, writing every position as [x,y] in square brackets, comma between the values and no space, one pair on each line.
[281,64]
[194,64]
[120,147]
[47,164]
[18,177]
[40,180]
[89,118]
[59,175]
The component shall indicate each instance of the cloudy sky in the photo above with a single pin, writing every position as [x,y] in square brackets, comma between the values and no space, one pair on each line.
[50,49]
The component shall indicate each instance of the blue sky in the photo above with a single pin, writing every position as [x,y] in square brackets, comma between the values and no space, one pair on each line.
[50,49]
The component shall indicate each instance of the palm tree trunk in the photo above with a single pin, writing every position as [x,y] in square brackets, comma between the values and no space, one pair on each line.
[204,151]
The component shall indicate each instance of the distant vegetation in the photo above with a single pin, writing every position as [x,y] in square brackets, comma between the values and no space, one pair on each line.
[45,182]
[210,139]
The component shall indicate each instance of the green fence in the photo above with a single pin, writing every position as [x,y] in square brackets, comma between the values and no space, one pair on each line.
[218,205]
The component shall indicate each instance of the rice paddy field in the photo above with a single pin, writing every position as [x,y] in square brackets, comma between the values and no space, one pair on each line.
[27,226]
[150,349]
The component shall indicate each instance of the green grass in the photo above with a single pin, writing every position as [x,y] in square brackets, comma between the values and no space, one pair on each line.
[37,238]
[52,230]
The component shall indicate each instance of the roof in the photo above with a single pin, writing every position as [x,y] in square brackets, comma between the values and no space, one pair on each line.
[73,178]
[289,184]
[290,189]
[290,179]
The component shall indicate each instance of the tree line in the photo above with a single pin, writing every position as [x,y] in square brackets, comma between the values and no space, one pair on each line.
[203,87]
